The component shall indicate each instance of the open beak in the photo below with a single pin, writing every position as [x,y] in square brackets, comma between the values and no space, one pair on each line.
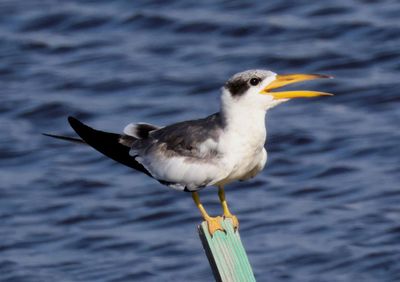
[286,79]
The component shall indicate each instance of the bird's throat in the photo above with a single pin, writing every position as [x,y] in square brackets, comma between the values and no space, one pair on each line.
[244,124]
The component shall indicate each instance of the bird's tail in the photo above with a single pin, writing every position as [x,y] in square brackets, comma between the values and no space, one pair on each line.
[113,145]
[66,138]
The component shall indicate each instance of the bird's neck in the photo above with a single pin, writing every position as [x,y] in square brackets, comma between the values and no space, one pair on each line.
[240,119]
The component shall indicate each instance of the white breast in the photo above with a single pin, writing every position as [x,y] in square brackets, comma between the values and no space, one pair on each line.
[243,145]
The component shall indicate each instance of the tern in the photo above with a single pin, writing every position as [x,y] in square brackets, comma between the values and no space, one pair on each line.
[224,147]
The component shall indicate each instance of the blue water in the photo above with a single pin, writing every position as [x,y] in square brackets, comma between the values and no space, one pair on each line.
[326,208]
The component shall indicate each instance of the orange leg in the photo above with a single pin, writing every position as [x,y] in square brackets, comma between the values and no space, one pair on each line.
[227,212]
[214,223]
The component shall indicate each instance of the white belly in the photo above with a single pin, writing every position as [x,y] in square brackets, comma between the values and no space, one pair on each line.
[244,158]
[247,166]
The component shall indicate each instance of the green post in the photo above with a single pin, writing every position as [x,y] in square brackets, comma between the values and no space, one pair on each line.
[226,254]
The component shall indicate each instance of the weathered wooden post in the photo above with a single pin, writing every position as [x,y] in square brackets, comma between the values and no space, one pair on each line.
[226,254]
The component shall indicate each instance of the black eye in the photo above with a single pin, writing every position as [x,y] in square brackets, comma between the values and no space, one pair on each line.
[255,81]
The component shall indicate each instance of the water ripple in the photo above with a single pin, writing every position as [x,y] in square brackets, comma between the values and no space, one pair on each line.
[324,209]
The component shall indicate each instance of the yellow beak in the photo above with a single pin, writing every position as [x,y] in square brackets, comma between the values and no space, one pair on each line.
[286,79]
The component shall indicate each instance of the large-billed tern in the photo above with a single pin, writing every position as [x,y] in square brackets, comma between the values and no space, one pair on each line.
[213,151]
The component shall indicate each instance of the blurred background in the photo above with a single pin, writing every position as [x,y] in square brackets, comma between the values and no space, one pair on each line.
[326,208]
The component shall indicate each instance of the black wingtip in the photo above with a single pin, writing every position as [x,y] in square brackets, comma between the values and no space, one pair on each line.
[65,138]
[47,134]
[73,121]
[106,143]
[80,127]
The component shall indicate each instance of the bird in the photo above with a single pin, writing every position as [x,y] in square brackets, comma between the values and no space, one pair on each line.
[222,148]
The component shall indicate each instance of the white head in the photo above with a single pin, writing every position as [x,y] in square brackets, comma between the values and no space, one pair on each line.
[252,89]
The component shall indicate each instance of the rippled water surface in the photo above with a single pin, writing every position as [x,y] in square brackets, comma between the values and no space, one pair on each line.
[326,208]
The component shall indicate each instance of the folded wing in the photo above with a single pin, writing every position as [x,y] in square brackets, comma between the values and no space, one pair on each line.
[110,144]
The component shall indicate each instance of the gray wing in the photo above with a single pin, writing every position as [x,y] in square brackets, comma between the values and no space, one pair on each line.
[188,138]
[184,155]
